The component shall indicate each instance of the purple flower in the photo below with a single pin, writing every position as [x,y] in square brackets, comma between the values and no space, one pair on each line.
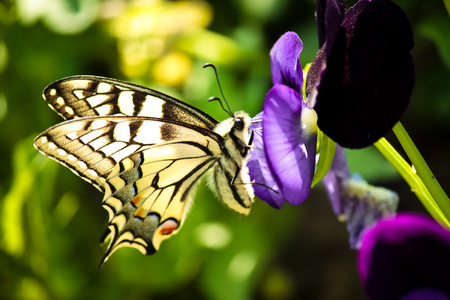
[354,201]
[362,78]
[285,147]
[406,257]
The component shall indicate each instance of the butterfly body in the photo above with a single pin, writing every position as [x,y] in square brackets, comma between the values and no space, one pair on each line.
[146,151]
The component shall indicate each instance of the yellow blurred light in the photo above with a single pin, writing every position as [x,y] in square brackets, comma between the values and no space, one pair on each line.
[172,69]
[133,61]
[147,33]
[160,18]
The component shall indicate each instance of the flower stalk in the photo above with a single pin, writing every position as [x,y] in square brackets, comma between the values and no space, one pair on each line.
[422,169]
[413,175]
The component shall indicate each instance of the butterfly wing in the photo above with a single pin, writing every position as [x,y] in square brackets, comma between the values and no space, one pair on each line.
[147,194]
[91,147]
[145,150]
[146,167]
[87,96]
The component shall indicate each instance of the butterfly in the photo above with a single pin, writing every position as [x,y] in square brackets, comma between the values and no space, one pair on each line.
[145,151]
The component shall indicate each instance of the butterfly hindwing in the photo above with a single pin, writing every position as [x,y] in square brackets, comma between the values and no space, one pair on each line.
[87,96]
[147,194]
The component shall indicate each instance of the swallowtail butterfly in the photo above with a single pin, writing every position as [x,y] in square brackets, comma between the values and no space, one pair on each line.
[146,151]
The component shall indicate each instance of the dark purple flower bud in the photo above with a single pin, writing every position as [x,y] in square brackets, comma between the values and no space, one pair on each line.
[406,257]
[361,81]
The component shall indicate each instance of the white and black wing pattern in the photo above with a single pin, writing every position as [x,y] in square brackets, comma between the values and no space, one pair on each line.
[92,146]
[88,96]
[145,151]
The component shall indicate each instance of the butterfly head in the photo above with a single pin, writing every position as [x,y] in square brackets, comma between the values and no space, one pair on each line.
[240,131]
[241,124]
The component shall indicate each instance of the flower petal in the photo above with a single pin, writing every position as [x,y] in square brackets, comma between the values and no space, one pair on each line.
[289,142]
[259,169]
[426,293]
[333,181]
[404,254]
[329,16]
[286,68]
[369,75]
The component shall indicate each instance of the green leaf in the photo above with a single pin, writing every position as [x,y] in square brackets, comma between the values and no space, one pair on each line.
[327,148]
[437,29]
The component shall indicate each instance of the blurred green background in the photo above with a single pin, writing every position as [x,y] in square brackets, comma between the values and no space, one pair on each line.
[51,221]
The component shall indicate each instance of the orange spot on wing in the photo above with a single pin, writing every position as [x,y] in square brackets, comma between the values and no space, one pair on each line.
[140,213]
[168,227]
[137,200]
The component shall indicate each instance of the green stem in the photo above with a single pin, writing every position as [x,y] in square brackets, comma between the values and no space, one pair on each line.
[413,180]
[422,169]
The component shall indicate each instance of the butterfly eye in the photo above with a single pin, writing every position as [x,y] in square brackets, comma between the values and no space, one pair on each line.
[238,123]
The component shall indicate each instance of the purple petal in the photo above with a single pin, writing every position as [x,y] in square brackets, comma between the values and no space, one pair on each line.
[290,146]
[340,165]
[332,184]
[333,181]
[329,15]
[286,68]
[259,168]
[426,294]
[403,255]
[314,77]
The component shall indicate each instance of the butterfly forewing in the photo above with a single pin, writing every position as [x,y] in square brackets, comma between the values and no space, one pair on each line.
[91,147]
[85,96]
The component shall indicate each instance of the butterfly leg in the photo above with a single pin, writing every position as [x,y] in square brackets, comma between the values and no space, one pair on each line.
[250,140]
[236,174]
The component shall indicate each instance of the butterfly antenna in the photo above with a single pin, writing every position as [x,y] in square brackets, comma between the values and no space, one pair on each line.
[220,88]
[221,104]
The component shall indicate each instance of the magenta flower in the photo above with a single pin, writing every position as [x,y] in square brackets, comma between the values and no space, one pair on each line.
[285,148]
[407,258]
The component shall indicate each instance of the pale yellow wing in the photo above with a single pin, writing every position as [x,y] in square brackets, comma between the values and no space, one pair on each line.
[147,194]
[91,147]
